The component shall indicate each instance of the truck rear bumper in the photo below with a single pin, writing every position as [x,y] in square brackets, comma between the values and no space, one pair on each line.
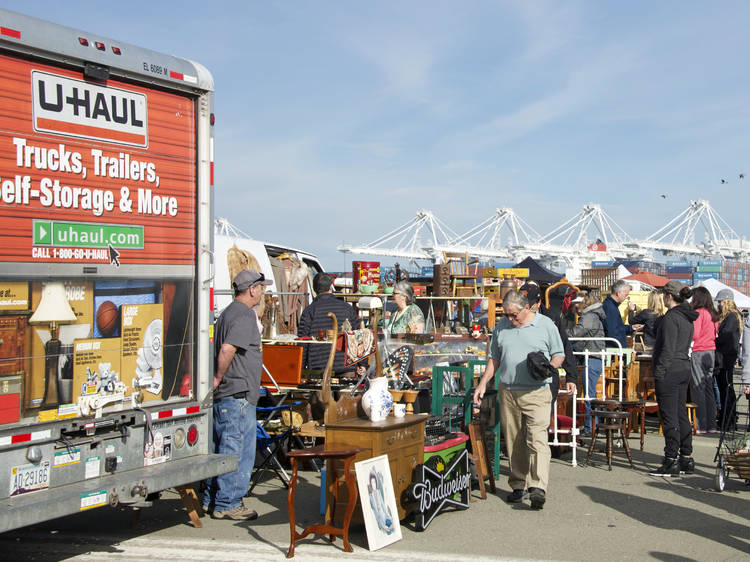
[110,489]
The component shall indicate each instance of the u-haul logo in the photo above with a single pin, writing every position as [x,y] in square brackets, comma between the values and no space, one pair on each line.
[66,106]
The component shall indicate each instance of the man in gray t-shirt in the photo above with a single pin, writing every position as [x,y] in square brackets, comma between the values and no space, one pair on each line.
[524,401]
[237,369]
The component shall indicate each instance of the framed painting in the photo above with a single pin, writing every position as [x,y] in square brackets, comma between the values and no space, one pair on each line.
[378,500]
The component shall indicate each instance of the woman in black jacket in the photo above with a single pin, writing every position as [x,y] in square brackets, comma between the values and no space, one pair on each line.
[727,348]
[672,370]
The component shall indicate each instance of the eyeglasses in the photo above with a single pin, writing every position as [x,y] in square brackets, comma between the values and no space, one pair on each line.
[512,316]
[260,280]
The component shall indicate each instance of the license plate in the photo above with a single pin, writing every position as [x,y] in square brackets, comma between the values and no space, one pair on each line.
[29,478]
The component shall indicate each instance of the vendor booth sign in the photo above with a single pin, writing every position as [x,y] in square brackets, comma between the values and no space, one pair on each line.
[439,486]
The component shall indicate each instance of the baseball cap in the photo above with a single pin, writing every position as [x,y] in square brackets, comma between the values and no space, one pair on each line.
[532,292]
[247,278]
[673,288]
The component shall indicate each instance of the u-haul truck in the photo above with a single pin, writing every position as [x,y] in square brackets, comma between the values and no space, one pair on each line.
[106,173]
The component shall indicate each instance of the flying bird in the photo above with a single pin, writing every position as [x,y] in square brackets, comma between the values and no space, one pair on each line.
[663,196]
[723,181]
[742,176]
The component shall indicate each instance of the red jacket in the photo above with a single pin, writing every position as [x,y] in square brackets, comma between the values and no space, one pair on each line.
[704,332]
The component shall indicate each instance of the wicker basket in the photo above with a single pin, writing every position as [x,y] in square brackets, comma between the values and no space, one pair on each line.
[739,463]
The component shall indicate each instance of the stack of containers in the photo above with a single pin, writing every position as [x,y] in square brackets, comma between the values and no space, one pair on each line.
[736,274]
[637,266]
[681,271]
[707,269]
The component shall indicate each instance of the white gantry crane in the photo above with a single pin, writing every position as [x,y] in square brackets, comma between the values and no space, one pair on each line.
[590,234]
[422,238]
[678,236]
[494,236]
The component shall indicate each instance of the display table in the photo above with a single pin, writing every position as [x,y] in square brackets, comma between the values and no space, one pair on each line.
[401,438]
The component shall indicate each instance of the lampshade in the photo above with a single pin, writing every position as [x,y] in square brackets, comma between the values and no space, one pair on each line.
[53,307]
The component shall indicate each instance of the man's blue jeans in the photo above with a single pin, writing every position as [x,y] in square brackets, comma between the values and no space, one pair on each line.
[594,372]
[234,434]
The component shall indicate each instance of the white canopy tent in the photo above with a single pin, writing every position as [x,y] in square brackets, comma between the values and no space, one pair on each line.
[714,286]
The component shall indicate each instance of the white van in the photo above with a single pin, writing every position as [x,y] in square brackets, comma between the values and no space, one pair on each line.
[273,259]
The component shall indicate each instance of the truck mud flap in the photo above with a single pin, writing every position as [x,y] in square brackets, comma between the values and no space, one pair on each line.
[112,489]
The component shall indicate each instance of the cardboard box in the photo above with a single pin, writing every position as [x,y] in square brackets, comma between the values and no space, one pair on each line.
[96,367]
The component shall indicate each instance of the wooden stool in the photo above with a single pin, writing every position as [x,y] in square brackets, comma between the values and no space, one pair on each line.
[692,418]
[637,411]
[614,421]
[319,452]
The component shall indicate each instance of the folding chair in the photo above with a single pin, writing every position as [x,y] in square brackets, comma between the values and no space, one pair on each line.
[271,445]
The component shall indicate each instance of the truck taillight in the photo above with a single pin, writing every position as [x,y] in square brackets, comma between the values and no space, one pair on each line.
[99,45]
[179,438]
[211,298]
[83,41]
[116,50]
[192,435]
[213,119]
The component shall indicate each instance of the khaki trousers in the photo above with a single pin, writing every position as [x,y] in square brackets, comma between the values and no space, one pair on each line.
[525,416]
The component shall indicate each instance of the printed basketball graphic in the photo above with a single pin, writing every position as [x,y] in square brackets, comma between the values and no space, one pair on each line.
[106,318]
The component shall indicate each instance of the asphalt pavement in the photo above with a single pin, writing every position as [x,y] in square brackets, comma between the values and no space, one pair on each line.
[590,514]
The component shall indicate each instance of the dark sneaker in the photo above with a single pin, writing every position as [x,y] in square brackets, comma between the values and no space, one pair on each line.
[669,468]
[537,498]
[687,465]
[516,496]
[240,513]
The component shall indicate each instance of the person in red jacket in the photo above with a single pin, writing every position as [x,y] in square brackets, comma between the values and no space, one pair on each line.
[702,360]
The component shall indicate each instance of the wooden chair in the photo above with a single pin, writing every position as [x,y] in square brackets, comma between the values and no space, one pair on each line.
[461,270]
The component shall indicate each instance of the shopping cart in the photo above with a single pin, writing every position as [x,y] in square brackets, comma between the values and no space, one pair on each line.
[733,452]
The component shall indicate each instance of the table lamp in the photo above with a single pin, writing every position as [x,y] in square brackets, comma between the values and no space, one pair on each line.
[54,310]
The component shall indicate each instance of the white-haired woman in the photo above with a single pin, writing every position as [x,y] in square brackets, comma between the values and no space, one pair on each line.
[408,317]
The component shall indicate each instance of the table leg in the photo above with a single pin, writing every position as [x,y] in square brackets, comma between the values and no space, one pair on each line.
[290,505]
[643,424]
[627,451]
[351,487]
[333,491]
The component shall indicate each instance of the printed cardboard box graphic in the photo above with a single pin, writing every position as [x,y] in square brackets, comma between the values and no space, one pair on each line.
[142,348]
[96,368]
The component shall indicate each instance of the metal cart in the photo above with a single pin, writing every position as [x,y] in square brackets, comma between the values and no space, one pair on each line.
[733,452]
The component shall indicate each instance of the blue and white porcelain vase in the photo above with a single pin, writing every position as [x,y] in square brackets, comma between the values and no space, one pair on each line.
[377,401]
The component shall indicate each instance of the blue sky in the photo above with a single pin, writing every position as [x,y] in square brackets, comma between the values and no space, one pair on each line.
[337,121]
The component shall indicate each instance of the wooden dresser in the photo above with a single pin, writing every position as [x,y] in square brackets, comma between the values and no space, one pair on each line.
[402,439]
